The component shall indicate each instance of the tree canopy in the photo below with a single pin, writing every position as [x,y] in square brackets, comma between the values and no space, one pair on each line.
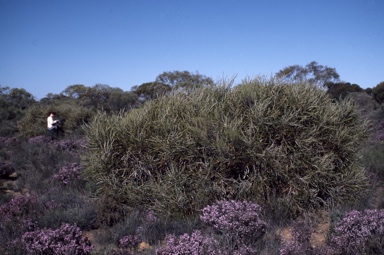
[13,103]
[378,92]
[312,72]
[101,97]
[184,80]
[151,90]
[341,89]
[175,81]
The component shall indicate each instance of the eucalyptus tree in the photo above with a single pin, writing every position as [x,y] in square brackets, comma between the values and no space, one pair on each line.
[101,97]
[13,103]
[151,90]
[378,92]
[171,82]
[340,90]
[312,72]
[184,80]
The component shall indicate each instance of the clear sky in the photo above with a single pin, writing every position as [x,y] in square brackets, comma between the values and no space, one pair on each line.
[48,45]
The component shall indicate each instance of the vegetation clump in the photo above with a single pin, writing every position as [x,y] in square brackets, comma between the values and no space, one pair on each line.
[360,232]
[285,145]
[34,121]
[67,239]
[232,227]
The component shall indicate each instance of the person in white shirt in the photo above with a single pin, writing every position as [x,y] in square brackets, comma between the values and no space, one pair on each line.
[50,125]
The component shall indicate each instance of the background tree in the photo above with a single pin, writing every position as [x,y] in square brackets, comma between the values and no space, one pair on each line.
[378,92]
[75,106]
[120,100]
[312,72]
[96,97]
[73,116]
[53,97]
[13,103]
[341,89]
[151,90]
[20,98]
[171,81]
[75,91]
[101,97]
[184,80]
[368,91]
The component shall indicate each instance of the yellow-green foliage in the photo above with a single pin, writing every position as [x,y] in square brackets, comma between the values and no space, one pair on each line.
[262,141]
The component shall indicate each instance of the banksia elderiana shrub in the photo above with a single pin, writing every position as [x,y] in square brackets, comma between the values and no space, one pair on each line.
[262,141]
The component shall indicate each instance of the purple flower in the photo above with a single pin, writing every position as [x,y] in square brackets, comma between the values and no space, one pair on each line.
[150,217]
[70,145]
[38,139]
[358,231]
[68,173]
[67,239]
[8,140]
[17,208]
[299,244]
[128,242]
[194,244]
[234,218]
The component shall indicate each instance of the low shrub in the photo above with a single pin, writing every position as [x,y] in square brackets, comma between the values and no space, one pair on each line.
[129,242]
[39,140]
[299,243]
[69,205]
[72,145]
[360,232]
[19,207]
[36,162]
[237,227]
[238,221]
[7,141]
[154,231]
[68,173]
[39,161]
[6,170]
[128,245]
[109,210]
[196,243]
[373,160]
[16,218]
[66,240]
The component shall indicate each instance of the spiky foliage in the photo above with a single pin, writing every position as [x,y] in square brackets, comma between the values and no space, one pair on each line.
[274,143]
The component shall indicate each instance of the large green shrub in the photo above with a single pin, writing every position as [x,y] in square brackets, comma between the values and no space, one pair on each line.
[263,141]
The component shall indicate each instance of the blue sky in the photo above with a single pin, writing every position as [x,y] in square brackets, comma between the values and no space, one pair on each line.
[48,45]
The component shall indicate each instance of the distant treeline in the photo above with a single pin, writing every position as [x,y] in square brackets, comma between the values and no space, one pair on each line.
[21,114]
